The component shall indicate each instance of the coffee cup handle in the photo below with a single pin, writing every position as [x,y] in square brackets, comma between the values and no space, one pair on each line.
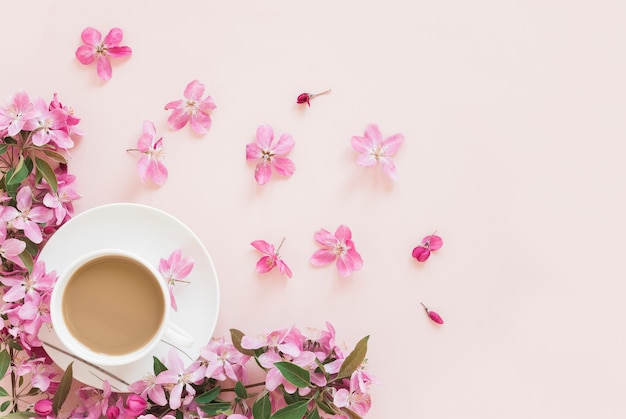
[177,336]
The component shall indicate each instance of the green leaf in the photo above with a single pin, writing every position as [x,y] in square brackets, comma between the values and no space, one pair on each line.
[5,361]
[27,259]
[325,407]
[296,375]
[14,344]
[313,414]
[158,366]
[179,415]
[4,406]
[215,409]
[352,361]
[291,398]
[262,407]
[3,392]
[291,411]
[47,173]
[351,414]
[209,396]
[3,148]
[55,156]
[63,389]
[240,390]
[236,336]
[17,174]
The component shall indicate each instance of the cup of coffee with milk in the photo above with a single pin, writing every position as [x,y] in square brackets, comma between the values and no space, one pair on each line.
[110,307]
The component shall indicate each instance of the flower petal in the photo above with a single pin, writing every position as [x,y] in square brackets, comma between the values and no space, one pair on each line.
[200,122]
[435,242]
[178,119]
[114,37]
[284,145]
[104,68]
[389,168]
[194,90]
[263,172]
[366,159]
[284,166]
[323,257]
[392,144]
[85,54]
[265,264]
[264,136]
[253,151]
[119,51]
[421,253]
[373,133]
[91,36]
[325,238]
[343,233]
[263,246]
[361,144]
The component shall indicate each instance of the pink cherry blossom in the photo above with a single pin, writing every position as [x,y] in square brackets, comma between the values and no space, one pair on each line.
[93,402]
[340,247]
[61,201]
[152,151]
[101,51]
[51,126]
[71,121]
[17,116]
[374,149]
[175,269]
[287,341]
[148,387]
[224,361]
[27,216]
[270,154]
[182,379]
[354,399]
[43,407]
[193,109]
[270,258]
[429,243]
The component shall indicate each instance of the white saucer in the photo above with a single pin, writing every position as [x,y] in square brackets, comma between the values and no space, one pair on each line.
[152,234]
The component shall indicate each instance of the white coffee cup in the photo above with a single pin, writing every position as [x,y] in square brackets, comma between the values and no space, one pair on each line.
[111,307]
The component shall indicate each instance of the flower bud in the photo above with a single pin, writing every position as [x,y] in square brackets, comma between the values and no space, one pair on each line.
[136,404]
[113,412]
[304,98]
[43,407]
[433,315]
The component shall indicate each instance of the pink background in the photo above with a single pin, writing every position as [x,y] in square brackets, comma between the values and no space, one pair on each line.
[513,114]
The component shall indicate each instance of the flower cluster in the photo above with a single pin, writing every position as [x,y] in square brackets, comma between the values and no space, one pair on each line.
[303,376]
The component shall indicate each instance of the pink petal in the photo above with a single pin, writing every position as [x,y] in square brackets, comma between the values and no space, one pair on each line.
[323,257]
[264,136]
[85,54]
[389,168]
[284,166]
[373,133]
[263,246]
[33,232]
[421,253]
[362,144]
[207,104]
[142,167]
[91,36]
[175,104]
[119,51]
[253,151]
[103,66]
[435,242]
[265,264]
[341,398]
[343,233]
[178,119]
[157,172]
[392,144]
[366,159]
[194,90]
[13,247]
[325,238]
[284,269]
[114,37]
[200,123]
[284,145]
[263,172]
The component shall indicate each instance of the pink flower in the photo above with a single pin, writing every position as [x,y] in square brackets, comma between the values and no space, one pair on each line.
[354,399]
[287,341]
[270,258]
[51,126]
[429,243]
[150,165]
[61,202]
[175,269]
[270,155]
[337,246]
[27,217]
[148,387]
[17,116]
[374,149]
[182,378]
[96,49]
[71,121]
[433,315]
[224,361]
[43,407]
[135,405]
[193,108]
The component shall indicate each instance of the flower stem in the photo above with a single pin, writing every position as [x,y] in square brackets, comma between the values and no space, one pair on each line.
[260,383]
[280,245]
[319,94]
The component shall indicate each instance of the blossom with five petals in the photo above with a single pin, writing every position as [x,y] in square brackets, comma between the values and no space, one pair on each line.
[337,246]
[26,216]
[175,269]
[148,387]
[354,399]
[101,51]
[193,109]
[182,378]
[374,149]
[270,258]
[51,125]
[224,361]
[270,154]
[17,116]
[151,148]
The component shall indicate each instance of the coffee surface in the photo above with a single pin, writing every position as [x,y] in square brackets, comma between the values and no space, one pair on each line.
[113,305]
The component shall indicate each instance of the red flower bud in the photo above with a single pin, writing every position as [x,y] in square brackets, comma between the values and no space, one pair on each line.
[43,407]
[306,97]
[433,316]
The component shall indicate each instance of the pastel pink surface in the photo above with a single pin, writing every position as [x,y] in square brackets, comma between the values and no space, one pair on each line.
[512,115]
